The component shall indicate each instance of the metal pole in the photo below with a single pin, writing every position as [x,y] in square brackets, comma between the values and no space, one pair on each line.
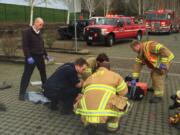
[75,28]
[104,7]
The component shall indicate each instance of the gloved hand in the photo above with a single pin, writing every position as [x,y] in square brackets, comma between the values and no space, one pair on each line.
[30,60]
[162,67]
[133,82]
[48,58]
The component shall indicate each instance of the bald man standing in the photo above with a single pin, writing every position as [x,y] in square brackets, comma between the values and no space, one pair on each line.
[34,52]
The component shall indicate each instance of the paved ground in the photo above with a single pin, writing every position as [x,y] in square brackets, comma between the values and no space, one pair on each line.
[26,118]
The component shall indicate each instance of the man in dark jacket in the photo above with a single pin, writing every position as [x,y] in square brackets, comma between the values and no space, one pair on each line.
[65,85]
[34,52]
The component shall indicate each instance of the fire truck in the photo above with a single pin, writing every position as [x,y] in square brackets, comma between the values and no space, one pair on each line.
[112,28]
[161,21]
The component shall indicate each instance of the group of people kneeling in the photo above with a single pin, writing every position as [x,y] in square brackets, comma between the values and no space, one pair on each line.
[98,94]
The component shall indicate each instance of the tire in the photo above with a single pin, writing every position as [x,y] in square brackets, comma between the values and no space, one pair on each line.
[139,36]
[110,41]
[89,43]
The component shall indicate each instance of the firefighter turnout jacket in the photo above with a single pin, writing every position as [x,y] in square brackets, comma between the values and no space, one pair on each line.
[102,97]
[152,54]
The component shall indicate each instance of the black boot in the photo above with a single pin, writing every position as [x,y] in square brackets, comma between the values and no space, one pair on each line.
[173,97]
[91,129]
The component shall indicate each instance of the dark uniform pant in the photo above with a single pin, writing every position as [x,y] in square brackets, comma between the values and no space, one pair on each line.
[28,70]
[67,96]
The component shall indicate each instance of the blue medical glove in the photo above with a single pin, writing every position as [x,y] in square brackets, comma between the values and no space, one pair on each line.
[133,82]
[48,58]
[30,60]
[162,66]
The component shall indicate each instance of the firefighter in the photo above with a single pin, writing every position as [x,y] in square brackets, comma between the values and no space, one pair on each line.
[102,99]
[158,58]
[93,64]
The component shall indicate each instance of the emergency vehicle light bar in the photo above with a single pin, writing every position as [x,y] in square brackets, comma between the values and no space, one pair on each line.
[108,15]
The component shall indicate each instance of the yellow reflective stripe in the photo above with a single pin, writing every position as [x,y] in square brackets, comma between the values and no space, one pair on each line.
[178,101]
[88,70]
[99,87]
[98,113]
[83,104]
[158,93]
[178,94]
[164,60]
[158,46]
[92,119]
[135,75]
[113,125]
[121,86]
[138,60]
[171,56]
[104,101]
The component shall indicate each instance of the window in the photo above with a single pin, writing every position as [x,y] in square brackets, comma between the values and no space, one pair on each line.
[121,22]
[128,21]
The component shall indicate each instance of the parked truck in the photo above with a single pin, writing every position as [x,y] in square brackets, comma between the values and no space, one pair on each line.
[112,28]
[68,32]
[161,21]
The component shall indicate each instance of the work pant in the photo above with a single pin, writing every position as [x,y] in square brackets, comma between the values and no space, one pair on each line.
[67,96]
[28,70]
[158,83]
[112,123]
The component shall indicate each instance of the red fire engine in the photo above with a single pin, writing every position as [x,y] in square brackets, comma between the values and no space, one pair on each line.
[161,21]
[112,28]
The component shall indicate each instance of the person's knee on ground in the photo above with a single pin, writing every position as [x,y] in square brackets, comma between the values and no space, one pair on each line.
[68,101]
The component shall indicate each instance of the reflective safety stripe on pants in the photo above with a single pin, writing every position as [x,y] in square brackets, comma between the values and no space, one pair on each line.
[113,125]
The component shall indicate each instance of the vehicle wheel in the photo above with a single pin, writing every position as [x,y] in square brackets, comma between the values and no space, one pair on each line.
[139,36]
[110,40]
[89,43]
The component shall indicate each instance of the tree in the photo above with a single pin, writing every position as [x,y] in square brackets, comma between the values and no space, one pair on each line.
[107,6]
[68,3]
[90,4]
[32,4]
